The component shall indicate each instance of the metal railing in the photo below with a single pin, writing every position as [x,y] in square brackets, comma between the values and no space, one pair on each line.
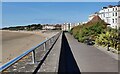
[51,41]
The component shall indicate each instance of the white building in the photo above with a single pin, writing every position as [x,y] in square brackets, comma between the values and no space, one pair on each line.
[111,15]
[48,27]
[68,26]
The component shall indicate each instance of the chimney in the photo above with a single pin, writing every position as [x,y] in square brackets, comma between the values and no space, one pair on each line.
[104,7]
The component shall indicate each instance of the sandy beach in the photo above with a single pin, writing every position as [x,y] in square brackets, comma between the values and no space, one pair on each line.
[15,43]
[0,48]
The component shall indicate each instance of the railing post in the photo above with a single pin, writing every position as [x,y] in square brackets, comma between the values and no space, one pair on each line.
[51,40]
[33,56]
[44,46]
[49,43]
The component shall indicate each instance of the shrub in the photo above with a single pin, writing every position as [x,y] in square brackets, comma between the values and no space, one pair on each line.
[111,36]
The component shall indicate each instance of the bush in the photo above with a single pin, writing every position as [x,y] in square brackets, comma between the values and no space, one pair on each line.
[97,30]
[111,36]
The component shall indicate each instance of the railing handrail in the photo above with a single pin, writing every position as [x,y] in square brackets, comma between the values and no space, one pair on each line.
[6,65]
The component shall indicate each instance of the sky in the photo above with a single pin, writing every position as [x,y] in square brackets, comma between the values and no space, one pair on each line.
[25,13]
[60,0]
[0,14]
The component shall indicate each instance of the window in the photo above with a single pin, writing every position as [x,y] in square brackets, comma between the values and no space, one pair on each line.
[116,20]
[116,9]
[116,14]
[113,9]
[104,15]
[113,20]
[113,14]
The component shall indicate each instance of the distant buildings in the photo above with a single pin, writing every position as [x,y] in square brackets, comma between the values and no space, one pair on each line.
[48,27]
[51,27]
[69,26]
[66,26]
[110,14]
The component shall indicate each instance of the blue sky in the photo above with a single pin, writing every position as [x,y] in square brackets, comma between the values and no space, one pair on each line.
[60,0]
[0,14]
[25,13]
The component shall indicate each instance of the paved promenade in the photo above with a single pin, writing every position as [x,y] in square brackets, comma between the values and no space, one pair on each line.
[68,56]
[90,59]
[51,62]
[78,58]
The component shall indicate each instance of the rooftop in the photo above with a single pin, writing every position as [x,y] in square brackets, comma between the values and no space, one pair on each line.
[110,6]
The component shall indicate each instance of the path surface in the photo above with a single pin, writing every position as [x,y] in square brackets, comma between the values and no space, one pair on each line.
[89,58]
[52,61]
[68,56]
[67,63]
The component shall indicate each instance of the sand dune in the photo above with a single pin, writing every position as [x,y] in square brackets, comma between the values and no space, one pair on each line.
[15,43]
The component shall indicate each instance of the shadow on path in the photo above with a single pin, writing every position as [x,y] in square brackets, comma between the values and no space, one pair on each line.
[67,63]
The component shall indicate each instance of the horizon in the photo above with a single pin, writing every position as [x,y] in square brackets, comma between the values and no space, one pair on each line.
[27,13]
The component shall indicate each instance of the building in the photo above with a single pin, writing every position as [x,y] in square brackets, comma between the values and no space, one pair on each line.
[58,27]
[66,27]
[111,15]
[69,26]
[48,27]
[52,27]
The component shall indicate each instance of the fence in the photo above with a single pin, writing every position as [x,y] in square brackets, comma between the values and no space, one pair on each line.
[45,45]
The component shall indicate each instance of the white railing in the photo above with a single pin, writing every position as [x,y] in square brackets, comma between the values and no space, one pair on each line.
[51,40]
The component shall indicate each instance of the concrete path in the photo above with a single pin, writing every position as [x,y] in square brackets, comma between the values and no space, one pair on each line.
[89,58]
[68,56]
[67,62]
[50,65]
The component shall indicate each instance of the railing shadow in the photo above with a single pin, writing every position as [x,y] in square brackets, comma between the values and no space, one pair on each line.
[67,63]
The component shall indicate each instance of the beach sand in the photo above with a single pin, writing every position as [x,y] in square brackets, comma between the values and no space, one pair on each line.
[15,43]
[0,48]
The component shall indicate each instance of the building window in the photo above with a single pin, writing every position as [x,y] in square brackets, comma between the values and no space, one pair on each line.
[113,14]
[113,20]
[113,9]
[116,13]
[116,20]
[119,16]
[104,15]
[108,14]
[116,9]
